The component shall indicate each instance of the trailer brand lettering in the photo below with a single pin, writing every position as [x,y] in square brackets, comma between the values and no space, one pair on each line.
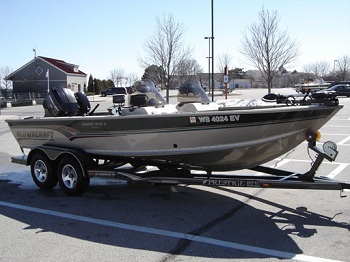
[218,119]
[164,181]
[231,182]
[34,134]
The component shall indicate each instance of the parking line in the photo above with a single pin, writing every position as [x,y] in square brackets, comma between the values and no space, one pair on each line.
[282,162]
[172,234]
[344,141]
[337,171]
[337,126]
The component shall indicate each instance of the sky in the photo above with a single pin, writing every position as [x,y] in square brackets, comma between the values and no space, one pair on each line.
[103,35]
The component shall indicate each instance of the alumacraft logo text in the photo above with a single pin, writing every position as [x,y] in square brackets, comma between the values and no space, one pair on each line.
[231,182]
[34,134]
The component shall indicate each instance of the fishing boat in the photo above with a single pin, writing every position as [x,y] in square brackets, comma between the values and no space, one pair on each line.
[311,85]
[193,135]
[201,135]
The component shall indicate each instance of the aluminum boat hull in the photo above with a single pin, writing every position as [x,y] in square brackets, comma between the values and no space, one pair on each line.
[216,140]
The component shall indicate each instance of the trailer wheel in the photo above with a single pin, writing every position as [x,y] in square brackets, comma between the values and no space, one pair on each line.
[71,177]
[41,168]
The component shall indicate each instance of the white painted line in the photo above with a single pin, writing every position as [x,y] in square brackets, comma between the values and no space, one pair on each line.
[172,234]
[309,161]
[336,126]
[337,171]
[330,134]
[344,141]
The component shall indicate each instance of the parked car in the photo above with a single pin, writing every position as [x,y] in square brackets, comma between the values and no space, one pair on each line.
[340,90]
[114,91]
[334,83]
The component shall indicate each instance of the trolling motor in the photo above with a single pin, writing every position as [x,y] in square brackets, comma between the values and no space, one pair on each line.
[325,98]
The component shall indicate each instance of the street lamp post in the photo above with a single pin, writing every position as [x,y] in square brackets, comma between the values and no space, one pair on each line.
[334,66]
[212,49]
[48,80]
[209,57]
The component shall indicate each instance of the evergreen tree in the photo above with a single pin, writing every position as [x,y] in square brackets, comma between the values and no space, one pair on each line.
[237,73]
[154,73]
[90,87]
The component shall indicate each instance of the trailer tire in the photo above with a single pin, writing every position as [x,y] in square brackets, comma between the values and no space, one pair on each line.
[41,168]
[71,177]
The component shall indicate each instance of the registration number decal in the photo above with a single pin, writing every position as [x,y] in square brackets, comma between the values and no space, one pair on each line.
[215,119]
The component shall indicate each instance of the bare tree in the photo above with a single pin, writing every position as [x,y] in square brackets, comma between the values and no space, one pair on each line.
[133,77]
[4,72]
[5,85]
[117,75]
[224,60]
[320,68]
[188,68]
[166,49]
[324,67]
[343,68]
[267,47]
[307,69]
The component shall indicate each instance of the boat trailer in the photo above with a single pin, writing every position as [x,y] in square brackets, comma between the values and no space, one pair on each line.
[267,177]
[75,177]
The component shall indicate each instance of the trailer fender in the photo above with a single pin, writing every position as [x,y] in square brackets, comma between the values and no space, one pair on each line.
[55,154]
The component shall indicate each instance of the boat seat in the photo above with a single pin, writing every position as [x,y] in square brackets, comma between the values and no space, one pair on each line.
[196,107]
[149,110]
[138,100]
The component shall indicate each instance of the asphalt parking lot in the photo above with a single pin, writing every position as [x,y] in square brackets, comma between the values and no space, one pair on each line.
[115,222]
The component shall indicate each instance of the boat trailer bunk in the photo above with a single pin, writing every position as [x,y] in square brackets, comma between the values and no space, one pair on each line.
[74,181]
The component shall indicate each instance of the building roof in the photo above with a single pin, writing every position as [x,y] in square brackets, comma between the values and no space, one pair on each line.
[64,66]
[68,68]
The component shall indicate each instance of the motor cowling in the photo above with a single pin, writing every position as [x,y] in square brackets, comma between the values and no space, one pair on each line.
[83,103]
[60,101]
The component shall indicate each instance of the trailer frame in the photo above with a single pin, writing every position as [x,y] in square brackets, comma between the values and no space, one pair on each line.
[87,167]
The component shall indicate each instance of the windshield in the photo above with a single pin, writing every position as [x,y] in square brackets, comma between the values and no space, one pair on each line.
[192,91]
[147,87]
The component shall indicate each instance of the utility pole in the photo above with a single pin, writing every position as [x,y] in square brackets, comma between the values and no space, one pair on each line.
[212,50]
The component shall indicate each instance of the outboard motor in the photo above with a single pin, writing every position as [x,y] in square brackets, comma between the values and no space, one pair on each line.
[60,101]
[83,103]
